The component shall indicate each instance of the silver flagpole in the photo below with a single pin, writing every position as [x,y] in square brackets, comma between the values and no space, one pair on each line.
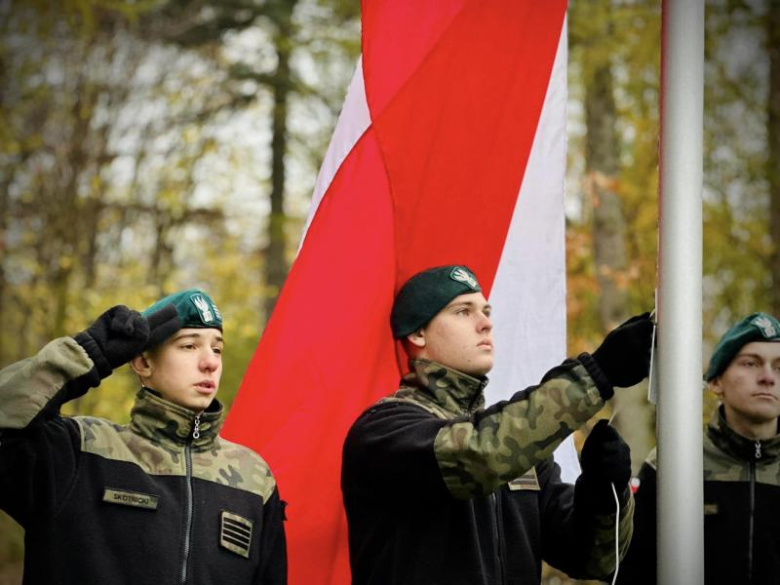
[680,499]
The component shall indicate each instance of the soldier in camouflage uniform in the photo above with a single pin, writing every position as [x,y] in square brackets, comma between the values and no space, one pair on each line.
[439,489]
[741,466]
[161,500]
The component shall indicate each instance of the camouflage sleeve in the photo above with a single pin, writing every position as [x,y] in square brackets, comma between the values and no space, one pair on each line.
[601,561]
[38,461]
[577,539]
[478,455]
[59,372]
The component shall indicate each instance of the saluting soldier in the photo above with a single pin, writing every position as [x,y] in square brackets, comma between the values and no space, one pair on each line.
[161,500]
[440,489]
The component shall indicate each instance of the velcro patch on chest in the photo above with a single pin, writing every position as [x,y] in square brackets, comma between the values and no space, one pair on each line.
[710,509]
[235,533]
[127,498]
[528,481]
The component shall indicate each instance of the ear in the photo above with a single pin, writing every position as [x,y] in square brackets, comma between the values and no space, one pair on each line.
[716,387]
[417,338]
[141,365]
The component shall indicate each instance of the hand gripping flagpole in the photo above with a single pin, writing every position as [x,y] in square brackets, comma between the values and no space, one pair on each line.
[680,497]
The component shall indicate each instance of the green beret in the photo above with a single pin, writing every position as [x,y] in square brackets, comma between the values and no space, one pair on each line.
[426,293]
[195,309]
[754,327]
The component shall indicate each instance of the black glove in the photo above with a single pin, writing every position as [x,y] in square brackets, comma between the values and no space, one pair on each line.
[605,460]
[120,334]
[624,355]
[162,324]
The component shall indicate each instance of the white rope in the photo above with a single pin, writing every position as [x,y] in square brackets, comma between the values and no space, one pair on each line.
[617,534]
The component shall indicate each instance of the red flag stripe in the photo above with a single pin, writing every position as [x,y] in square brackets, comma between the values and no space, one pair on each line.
[456,135]
[325,354]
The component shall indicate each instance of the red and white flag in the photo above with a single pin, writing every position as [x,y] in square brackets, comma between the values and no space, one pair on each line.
[450,149]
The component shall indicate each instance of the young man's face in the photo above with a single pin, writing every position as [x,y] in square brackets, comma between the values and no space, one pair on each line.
[186,368]
[750,390]
[459,336]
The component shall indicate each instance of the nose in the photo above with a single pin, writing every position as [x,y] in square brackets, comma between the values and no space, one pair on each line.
[768,375]
[209,361]
[485,323]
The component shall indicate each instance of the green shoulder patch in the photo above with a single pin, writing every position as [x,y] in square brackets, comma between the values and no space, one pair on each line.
[235,466]
[222,462]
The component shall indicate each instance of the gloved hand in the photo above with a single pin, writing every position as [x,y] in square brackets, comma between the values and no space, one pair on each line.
[162,324]
[120,334]
[605,460]
[624,355]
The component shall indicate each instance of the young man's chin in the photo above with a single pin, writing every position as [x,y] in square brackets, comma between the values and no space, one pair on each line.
[195,404]
[481,369]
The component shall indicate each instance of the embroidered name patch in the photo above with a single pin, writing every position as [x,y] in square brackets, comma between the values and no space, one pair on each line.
[528,481]
[135,499]
[235,533]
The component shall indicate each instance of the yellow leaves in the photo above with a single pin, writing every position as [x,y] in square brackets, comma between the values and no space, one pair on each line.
[66,262]
[596,181]
[622,279]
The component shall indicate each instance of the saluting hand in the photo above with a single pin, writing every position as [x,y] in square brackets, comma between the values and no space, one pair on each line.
[120,334]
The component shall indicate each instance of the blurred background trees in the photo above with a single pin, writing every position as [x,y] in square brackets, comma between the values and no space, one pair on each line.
[151,145]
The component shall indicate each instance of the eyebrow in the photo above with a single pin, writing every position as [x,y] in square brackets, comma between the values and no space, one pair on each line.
[487,306]
[196,336]
[758,356]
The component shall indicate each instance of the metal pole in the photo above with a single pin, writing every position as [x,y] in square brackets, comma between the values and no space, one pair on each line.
[680,492]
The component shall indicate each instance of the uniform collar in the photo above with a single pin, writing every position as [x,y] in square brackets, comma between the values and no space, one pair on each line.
[731,442]
[454,391]
[164,422]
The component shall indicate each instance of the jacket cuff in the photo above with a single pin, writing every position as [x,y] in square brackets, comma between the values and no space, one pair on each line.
[597,494]
[605,387]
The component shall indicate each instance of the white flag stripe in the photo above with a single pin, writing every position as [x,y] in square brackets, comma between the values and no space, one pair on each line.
[529,292]
[352,123]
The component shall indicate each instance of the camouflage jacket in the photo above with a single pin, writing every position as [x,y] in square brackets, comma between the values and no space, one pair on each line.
[161,500]
[741,511]
[438,489]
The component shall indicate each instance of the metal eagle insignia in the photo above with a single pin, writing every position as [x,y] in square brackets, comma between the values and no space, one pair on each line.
[765,325]
[204,308]
[462,275]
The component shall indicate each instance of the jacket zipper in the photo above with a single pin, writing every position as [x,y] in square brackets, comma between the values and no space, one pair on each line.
[189,504]
[751,520]
[470,409]
[495,498]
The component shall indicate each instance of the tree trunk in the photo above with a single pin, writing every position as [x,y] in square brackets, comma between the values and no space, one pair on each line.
[634,417]
[773,161]
[275,253]
[609,225]
[3,254]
